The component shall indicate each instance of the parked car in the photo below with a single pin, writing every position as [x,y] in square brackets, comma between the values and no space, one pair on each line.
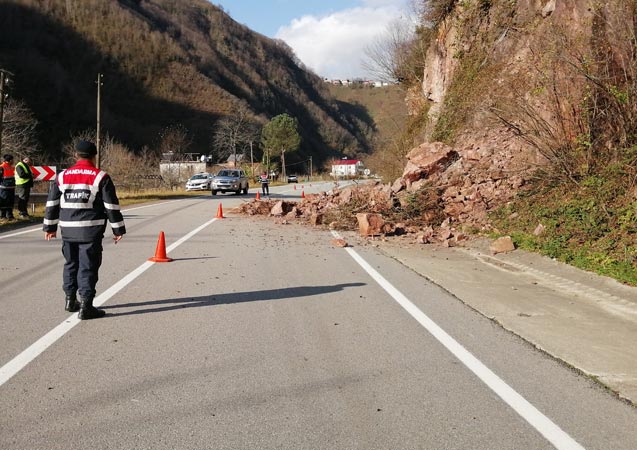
[293,179]
[230,180]
[199,182]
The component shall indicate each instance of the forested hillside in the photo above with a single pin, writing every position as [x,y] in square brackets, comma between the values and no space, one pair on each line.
[166,64]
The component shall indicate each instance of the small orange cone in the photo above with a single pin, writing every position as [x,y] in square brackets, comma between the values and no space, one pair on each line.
[258,196]
[302,194]
[295,187]
[160,251]
[220,212]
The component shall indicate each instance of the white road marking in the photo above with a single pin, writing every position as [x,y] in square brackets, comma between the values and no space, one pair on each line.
[34,350]
[30,230]
[547,428]
[124,211]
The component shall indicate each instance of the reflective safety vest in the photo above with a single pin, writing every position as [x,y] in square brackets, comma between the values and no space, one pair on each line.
[81,201]
[7,176]
[26,169]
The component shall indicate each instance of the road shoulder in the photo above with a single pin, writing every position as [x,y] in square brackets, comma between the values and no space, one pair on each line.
[586,320]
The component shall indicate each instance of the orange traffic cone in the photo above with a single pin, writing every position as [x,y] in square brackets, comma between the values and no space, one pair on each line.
[160,251]
[258,197]
[220,212]
[295,187]
[302,194]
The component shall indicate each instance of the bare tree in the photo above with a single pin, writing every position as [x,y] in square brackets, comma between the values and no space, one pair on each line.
[19,130]
[174,140]
[235,132]
[399,53]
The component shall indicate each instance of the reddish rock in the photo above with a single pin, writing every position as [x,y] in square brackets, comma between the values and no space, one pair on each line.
[277,209]
[339,243]
[316,219]
[539,230]
[370,224]
[503,244]
[428,159]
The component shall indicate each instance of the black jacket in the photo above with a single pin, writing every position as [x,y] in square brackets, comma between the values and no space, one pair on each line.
[81,200]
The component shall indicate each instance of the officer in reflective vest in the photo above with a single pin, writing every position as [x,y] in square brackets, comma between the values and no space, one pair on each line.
[81,201]
[265,183]
[23,185]
[7,187]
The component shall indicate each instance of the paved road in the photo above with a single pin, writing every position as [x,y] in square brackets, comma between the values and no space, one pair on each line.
[265,336]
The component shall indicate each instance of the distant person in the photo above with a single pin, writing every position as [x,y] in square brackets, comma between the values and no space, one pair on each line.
[23,185]
[265,183]
[7,187]
[81,200]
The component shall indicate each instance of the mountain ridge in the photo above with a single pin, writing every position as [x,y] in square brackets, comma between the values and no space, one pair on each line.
[164,62]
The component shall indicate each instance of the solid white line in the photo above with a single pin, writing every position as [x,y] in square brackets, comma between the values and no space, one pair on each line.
[124,211]
[30,230]
[553,433]
[34,350]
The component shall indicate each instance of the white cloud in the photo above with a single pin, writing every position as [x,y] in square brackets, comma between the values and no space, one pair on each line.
[334,45]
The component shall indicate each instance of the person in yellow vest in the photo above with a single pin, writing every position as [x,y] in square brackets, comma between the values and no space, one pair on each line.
[7,187]
[23,185]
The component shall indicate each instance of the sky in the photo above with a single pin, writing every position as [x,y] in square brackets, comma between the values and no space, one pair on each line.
[328,36]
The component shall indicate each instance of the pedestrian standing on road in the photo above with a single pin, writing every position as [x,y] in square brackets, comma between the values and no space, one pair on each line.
[265,183]
[81,200]
[23,185]
[7,187]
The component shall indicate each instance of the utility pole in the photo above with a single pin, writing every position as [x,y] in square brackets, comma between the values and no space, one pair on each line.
[251,160]
[4,82]
[99,114]
[283,163]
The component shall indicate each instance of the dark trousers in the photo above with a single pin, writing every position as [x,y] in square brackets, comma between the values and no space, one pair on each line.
[82,263]
[23,193]
[265,188]
[7,198]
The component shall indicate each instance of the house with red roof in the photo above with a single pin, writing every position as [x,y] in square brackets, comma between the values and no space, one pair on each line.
[347,167]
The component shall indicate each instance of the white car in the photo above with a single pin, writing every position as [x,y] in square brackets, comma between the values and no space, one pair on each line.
[199,182]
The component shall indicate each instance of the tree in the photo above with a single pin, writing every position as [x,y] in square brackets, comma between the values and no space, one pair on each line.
[174,140]
[399,53]
[234,131]
[281,135]
[19,130]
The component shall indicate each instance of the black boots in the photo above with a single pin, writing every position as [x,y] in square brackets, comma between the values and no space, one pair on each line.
[88,311]
[71,304]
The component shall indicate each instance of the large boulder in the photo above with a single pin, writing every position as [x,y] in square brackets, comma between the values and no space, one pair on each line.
[428,159]
[371,224]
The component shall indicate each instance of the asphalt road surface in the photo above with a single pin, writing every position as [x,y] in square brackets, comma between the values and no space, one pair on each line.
[266,336]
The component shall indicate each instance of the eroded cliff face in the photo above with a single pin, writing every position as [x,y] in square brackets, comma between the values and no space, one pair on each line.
[490,66]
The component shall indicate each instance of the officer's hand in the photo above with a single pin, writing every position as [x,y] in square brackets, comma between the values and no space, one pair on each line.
[116,239]
[48,235]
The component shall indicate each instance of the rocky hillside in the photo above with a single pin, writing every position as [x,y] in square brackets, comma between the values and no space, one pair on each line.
[165,63]
[531,107]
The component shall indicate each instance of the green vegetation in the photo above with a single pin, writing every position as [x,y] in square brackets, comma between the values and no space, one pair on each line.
[593,227]
[280,136]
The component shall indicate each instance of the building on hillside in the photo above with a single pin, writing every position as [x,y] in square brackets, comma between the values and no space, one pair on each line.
[347,168]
